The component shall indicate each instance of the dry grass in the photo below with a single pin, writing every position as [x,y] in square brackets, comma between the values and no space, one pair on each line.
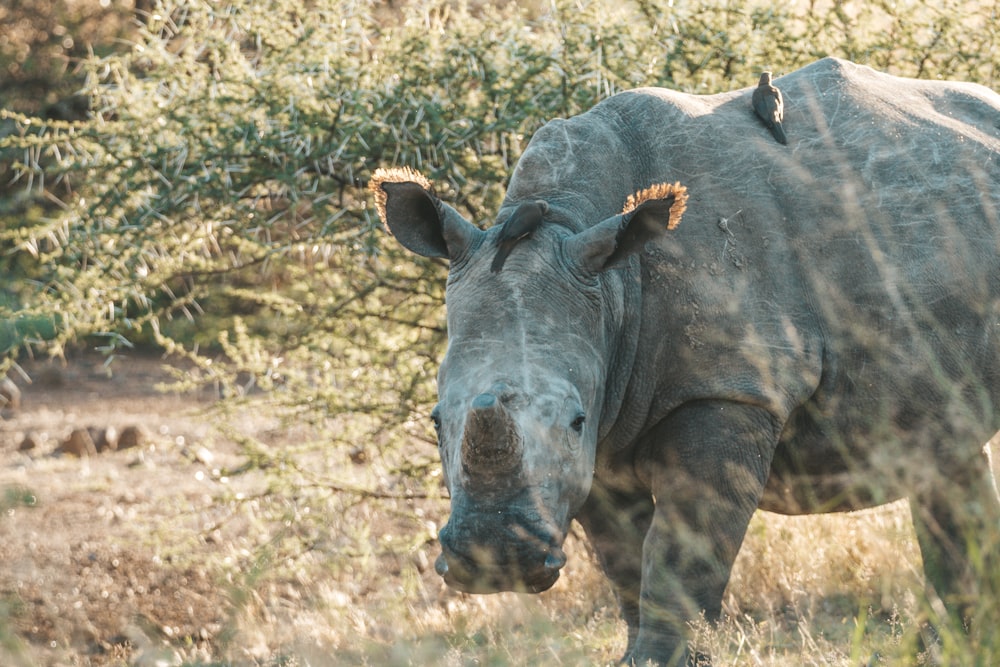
[134,556]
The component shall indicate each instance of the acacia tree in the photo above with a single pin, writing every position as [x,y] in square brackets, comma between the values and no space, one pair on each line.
[213,202]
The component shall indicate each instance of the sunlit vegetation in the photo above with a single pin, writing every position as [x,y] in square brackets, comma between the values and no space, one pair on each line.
[206,197]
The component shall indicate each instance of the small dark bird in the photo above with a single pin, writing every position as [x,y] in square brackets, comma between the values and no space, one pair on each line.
[524,221]
[770,107]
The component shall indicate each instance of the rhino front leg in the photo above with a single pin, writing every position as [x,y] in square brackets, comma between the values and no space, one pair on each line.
[616,524]
[708,463]
[957,522]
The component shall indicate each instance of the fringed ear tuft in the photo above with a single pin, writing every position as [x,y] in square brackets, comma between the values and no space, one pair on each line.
[394,175]
[658,192]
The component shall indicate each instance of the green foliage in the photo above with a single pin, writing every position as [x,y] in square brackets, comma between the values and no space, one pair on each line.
[213,204]
[16,496]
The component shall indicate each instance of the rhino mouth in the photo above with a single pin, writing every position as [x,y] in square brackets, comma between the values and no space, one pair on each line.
[492,566]
[470,577]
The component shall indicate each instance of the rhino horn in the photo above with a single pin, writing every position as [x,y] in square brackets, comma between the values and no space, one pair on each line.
[491,444]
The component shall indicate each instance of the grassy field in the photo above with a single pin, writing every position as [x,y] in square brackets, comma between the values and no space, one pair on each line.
[164,555]
[236,536]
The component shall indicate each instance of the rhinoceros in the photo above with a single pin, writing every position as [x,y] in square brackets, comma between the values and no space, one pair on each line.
[675,321]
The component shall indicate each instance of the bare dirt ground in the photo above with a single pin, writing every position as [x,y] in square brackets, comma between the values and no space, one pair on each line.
[85,577]
[157,555]
[164,554]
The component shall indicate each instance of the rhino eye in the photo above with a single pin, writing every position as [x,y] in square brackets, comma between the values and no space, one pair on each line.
[577,423]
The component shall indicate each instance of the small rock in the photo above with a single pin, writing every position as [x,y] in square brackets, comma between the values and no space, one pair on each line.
[10,395]
[422,562]
[204,455]
[150,653]
[140,461]
[79,443]
[104,438]
[157,656]
[133,436]
[30,441]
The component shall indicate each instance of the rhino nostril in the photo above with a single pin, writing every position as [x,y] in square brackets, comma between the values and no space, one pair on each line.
[441,565]
[555,559]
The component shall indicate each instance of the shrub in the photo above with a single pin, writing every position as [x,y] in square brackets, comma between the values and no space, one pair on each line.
[213,203]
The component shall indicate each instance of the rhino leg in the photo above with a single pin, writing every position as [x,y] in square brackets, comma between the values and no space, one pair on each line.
[957,521]
[707,466]
[616,524]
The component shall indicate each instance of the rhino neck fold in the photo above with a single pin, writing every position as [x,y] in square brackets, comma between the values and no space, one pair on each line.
[622,317]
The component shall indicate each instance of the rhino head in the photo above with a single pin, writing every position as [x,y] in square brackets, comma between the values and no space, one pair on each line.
[535,308]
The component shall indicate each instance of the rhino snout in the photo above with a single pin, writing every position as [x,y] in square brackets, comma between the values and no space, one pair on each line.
[501,564]
[555,560]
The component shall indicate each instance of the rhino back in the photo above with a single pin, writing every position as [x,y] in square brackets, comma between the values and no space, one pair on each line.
[858,266]
[857,274]
[894,142]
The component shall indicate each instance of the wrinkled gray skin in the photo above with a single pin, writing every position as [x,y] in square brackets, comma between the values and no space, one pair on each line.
[821,332]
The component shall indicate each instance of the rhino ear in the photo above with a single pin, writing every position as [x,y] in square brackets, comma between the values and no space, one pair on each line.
[419,220]
[647,214]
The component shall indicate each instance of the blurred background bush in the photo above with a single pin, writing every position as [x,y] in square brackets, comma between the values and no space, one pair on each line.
[189,177]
